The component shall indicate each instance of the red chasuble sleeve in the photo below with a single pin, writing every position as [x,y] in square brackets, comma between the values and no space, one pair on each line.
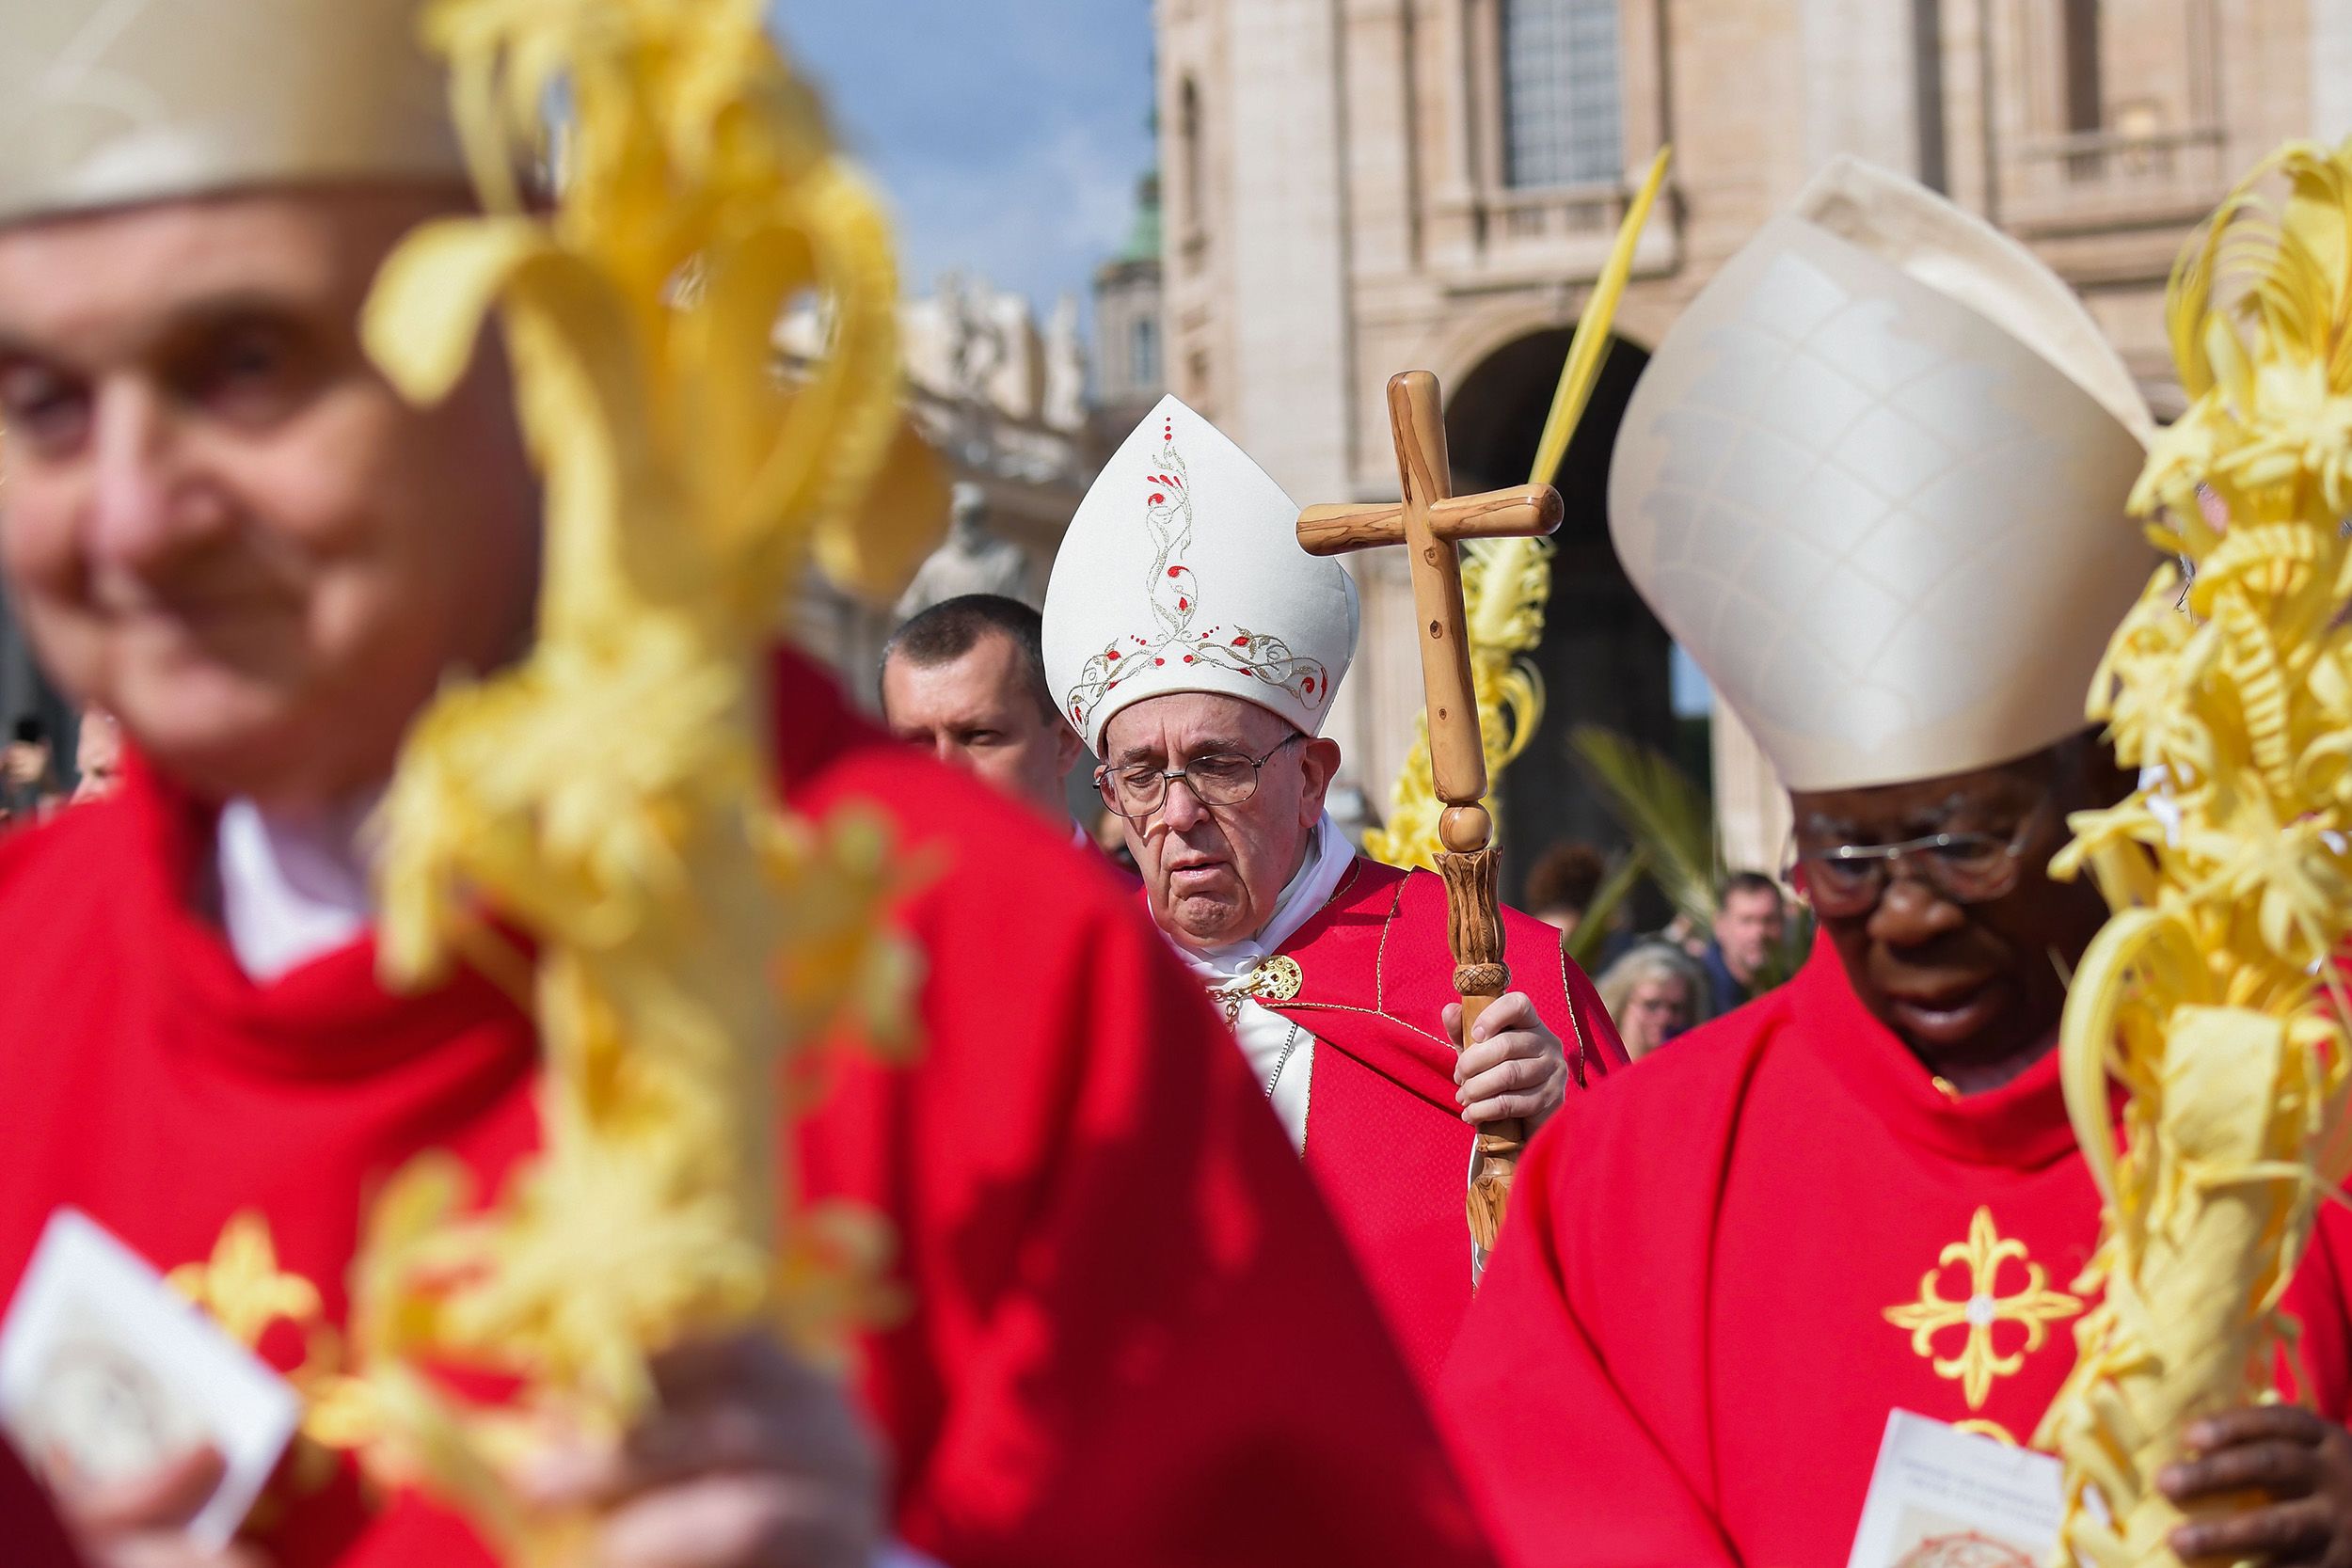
[1386,1140]
[1581,1460]
[1136,1334]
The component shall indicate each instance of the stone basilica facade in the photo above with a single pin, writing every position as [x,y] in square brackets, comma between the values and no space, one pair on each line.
[1355,187]
[1004,402]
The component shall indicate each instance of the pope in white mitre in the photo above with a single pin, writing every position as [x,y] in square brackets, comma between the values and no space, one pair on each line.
[1195,647]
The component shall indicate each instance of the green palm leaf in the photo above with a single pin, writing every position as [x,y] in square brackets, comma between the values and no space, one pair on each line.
[1583,944]
[1666,815]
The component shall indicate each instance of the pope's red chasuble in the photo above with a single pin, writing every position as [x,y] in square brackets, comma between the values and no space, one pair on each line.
[1725,1270]
[1133,1333]
[1385,1135]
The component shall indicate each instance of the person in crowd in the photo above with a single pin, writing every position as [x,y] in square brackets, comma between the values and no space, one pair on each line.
[97,756]
[224,527]
[28,772]
[1653,991]
[1194,645]
[1561,886]
[1862,1192]
[1110,838]
[965,680]
[1748,932]
[1690,936]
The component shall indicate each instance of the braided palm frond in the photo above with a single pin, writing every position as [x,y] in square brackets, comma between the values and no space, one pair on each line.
[2215,995]
[611,794]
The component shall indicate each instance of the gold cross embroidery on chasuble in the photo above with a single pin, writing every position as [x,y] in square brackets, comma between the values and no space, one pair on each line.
[1993,1283]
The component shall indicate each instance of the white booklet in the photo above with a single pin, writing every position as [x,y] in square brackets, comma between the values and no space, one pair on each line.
[104,1363]
[1941,1497]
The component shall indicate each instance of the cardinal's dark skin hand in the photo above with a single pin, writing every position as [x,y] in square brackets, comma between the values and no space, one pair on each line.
[2299,1462]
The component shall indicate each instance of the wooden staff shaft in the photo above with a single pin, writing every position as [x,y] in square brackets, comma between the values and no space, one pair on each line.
[1457,760]
[1456,757]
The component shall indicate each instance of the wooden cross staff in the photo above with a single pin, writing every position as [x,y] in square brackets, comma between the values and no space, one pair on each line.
[1427,522]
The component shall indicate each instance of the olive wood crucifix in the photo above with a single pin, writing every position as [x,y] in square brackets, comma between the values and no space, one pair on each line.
[1427,522]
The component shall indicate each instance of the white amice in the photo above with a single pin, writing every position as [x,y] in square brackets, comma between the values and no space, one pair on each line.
[1281,1053]
[294,887]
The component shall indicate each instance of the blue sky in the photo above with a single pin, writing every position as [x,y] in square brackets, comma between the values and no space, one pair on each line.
[1008,134]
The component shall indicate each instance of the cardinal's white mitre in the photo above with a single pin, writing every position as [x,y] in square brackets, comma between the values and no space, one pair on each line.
[1181,572]
[1873,480]
[110,101]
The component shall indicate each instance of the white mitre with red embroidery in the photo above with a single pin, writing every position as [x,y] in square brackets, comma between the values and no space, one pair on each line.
[1874,479]
[1181,572]
[105,102]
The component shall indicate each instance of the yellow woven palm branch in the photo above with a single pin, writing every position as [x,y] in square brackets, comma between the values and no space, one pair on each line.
[2213,996]
[613,795]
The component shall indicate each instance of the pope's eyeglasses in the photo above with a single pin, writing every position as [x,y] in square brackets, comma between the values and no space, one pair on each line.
[1218,779]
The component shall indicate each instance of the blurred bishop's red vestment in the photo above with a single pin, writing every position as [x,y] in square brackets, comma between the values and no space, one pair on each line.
[1136,1334]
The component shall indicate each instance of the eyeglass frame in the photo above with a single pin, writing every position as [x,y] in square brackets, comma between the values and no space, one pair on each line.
[1889,858]
[1167,775]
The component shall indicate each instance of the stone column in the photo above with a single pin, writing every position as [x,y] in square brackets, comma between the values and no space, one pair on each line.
[1859,70]
[2330,57]
[1750,808]
[1289,276]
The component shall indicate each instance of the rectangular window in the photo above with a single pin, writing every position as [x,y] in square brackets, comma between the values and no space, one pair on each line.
[1561,112]
[1926,64]
[1143,351]
[2086,106]
[1195,215]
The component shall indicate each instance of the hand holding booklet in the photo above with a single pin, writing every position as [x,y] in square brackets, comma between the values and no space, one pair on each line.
[109,1374]
[1941,1497]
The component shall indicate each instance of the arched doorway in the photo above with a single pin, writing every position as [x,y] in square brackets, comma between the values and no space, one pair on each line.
[1604,658]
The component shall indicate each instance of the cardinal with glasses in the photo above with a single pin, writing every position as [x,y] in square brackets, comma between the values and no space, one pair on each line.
[1874,481]
[1195,647]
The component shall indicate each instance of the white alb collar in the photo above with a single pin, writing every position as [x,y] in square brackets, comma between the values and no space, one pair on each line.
[1327,858]
[293,885]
